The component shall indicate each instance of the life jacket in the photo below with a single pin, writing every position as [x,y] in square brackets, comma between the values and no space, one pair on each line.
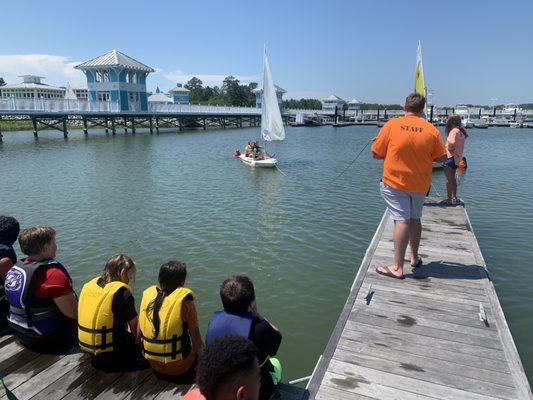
[173,335]
[95,316]
[28,314]
[223,323]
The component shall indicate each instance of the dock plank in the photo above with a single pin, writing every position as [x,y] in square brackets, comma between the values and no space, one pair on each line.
[422,337]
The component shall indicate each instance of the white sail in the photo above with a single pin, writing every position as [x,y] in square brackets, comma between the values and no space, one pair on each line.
[271,123]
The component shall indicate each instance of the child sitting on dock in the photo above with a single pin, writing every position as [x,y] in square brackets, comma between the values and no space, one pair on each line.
[9,231]
[240,317]
[107,326]
[228,369]
[43,305]
[168,324]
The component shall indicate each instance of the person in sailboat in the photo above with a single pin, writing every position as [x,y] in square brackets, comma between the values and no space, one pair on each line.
[248,150]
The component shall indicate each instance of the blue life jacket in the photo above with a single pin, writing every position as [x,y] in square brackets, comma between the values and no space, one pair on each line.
[223,324]
[4,305]
[29,315]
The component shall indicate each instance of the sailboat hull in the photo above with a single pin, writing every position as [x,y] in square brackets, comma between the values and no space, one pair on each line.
[266,163]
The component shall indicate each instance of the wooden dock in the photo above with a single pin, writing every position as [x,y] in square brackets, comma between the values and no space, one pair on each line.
[438,334]
[34,376]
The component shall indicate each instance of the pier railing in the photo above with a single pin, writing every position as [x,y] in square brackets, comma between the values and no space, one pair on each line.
[57,105]
[200,109]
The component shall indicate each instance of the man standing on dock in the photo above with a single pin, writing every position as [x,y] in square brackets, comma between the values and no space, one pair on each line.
[408,146]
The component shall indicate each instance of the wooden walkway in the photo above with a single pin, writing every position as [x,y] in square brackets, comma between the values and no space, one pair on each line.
[30,375]
[423,337]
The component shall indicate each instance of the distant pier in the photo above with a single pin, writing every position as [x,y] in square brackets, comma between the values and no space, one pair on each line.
[438,334]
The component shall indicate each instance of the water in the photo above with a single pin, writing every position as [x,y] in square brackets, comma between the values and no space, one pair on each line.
[300,237]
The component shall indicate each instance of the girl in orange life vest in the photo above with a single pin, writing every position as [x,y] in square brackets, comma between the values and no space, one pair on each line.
[110,336]
[168,312]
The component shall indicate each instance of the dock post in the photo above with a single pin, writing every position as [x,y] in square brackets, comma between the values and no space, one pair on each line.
[431,114]
[180,125]
[133,125]
[377,119]
[1,136]
[240,122]
[85,131]
[113,129]
[223,122]
[205,126]
[125,125]
[34,123]
[156,124]
[106,125]
[151,126]
[494,111]
[65,133]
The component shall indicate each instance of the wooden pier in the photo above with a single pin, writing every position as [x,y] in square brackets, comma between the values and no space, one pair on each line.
[438,334]
[34,376]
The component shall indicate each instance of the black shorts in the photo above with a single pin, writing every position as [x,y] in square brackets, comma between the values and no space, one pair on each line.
[450,162]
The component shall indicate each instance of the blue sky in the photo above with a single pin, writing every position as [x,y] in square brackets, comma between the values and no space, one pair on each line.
[473,50]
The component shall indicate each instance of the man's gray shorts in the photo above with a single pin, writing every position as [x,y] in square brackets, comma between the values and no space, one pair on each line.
[403,206]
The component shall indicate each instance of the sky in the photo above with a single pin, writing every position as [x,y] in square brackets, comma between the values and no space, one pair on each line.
[474,51]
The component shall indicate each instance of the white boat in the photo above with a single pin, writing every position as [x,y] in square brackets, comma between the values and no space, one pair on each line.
[500,121]
[516,124]
[271,123]
[480,123]
[268,162]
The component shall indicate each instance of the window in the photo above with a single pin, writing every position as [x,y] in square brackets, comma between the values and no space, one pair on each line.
[98,76]
[104,96]
[105,76]
[131,77]
[133,97]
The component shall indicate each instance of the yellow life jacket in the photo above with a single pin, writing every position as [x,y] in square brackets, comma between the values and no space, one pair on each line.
[168,345]
[95,316]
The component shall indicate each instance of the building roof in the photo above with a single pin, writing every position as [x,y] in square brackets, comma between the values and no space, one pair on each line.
[115,58]
[32,86]
[333,97]
[159,98]
[179,89]
[278,89]
[354,101]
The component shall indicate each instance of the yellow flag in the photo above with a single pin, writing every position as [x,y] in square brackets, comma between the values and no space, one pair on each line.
[420,85]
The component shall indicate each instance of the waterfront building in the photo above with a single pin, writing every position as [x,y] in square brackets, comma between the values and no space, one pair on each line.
[259,96]
[114,76]
[72,93]
[354,105]
[159,97]
[32,88]
[331,102]
[179,94]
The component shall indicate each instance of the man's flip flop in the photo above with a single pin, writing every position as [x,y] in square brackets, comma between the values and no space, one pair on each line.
[418,263]
[388,272]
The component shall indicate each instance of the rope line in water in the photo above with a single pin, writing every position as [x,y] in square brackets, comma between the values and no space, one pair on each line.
[352,162]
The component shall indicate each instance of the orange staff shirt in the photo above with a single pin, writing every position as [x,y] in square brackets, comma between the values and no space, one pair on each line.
[408,146]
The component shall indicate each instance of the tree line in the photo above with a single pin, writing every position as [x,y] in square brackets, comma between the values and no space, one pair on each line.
[231,93]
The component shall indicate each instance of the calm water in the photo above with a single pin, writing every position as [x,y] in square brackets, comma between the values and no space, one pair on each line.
[300,237]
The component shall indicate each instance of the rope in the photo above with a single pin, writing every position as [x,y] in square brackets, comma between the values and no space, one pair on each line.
[352,162]
[279,169]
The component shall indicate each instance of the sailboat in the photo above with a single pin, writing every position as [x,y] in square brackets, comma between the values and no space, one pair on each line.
[271,123]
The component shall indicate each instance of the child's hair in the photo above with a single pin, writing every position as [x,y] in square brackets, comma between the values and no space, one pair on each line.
[115,264]
[32,240]
[454,121]
[9,230]
[237,293]
[226,361]
[171,276]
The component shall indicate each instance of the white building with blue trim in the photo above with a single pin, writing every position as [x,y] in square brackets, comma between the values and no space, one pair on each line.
[179,94]
[259,96]
[331,102]
[354,105]
[115,76]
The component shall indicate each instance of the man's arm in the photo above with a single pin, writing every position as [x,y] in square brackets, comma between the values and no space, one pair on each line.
[5,265]
[68,305]
[380,143]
